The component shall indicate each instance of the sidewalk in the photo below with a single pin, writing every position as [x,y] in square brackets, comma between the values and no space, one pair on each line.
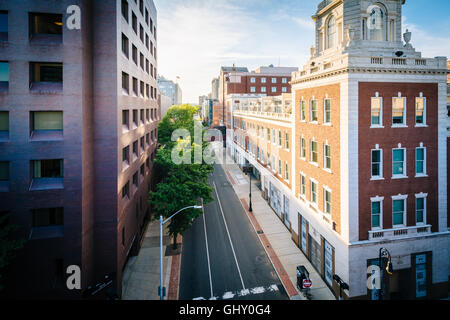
[276,238]
[141,274]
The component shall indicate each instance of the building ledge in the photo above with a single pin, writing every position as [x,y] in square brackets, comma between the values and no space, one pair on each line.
[46,232]
[396,233]
[46,87]
[46,39]
[47,135]
[42,184]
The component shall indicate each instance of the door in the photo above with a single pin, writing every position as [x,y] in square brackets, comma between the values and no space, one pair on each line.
[287,222]
[421,275]
[304,234]
[328,263]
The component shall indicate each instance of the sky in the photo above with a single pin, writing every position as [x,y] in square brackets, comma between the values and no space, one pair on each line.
[197,37]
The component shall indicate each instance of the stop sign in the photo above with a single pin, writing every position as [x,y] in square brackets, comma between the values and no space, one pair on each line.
[307,283]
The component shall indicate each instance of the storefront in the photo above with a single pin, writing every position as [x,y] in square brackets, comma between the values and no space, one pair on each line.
[286,219]
[275,199]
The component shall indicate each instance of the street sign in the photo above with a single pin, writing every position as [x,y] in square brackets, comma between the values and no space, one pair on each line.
[307,283]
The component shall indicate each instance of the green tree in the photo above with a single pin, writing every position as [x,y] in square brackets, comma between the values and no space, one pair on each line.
[8,245]
[180,185]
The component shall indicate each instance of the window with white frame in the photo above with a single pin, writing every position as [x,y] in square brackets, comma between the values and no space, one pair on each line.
[377,164]
[421,111]
[377,213]
[314,152]
[274,89]
[268,159]
[284,80]
[421,168]
[274,137]
[313,113]
[286,173]
[331,33]
[399,162]
[398,111]
[327,111]
[376,110]
[284,89]
[314,195]
[252,80]
[303,148]
[398,210]
[274,80]
[263,89]
[302,185]
[263,80]
[280,168]
[303,110]
[279,138]
[286,140]
[327,156]
[268,134]
[421,200]
[327,200]
[252,89]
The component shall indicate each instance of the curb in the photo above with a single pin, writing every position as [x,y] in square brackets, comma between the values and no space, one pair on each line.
[174,281]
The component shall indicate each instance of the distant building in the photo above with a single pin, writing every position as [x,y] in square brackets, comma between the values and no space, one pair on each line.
[170,89]
[166,103]
[215,89]
[202,99]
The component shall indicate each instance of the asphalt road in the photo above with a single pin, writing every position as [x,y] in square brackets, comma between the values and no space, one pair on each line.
[222,256]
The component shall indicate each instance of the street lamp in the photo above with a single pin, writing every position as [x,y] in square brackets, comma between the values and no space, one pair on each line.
[249,169]
[161,223]
[384,253]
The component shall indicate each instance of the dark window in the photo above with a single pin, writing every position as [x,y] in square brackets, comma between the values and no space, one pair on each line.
[135,86]
[125,9]
[141,33]
[135,117]
[4,170]
[147,40]
[126,190]
[134,22]
[151,48]
[147,90]
[146,16]
[46,121]
[47,217]
[135,58]
[141,6]
[151,25]
[142,144]
[147,114]
[142,115]
[151,69]
[147,162]
[123,236]
[46,72]
[48,168]
[126,119]
[147,139]
[4,76]
[135,148]
[4,121]
[142,170]
[125,45]
[3,26]
[45,24]
[147,64]
[142,61]
[142,89]
[126,155]
[135,179]
[125,82]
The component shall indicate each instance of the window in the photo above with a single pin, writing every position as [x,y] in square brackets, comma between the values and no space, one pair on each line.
[142,116]
[135,86]
[46,72]
[376,110]
[147,115]
[141,33]
[421,169]
[3,26]
[135,150]
[284,80]
[126,190]
[125,45]
[314,195]
[398,212]
[48,168]
[327,157]
[303,110]
[147,91]
[376,210]
[4,171]
[142,89]
[134,22]
[4,76]
[284,89]
[302,185]
[141,6]
[134,54]
[327,201]
[274,80]
[263,89]
[46,121]
[147,41]
[147,139]
[327,111]
[252,89]
[420,209]
[125,9]
[125,83]
[286,173]
[268,134]
[274,89]
[398,111]
[146,16]
[398,163]
[377,164]
[421,111]
[47,217]
[45,26]
[376,24]
[314,153]
[142,170]
[4,123]
[141,61]
[313,117]
[303,148]
[279,138]
[331,32]
[286,140]
[280,168]
[263,80]
[142,144]
[126,156]
[252,80]
[135,119]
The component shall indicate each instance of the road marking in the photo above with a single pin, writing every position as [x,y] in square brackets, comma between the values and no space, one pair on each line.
[242,293]
[207,250]
[229,237]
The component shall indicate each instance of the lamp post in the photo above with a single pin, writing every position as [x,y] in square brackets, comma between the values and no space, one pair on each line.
[161,223]
[384,253]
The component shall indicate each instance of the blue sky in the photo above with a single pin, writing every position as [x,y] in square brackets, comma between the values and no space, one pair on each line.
[196,37]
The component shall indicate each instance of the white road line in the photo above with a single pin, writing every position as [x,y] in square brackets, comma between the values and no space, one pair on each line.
[229,237]
[242,293]
[207,250]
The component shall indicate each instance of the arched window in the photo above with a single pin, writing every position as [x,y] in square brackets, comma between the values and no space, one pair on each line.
[331,32]
[377,23]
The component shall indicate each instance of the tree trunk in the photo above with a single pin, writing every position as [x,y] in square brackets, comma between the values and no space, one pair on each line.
[175,246]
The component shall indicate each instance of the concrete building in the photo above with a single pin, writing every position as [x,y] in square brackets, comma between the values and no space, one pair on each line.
[170,89]
[78,117]
[215,89]
[362,157]
[166,103]
[271,81]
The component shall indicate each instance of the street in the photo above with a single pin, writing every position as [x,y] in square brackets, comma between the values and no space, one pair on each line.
[222,256]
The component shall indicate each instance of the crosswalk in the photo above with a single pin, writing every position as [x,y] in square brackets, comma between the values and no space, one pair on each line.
[242,293]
